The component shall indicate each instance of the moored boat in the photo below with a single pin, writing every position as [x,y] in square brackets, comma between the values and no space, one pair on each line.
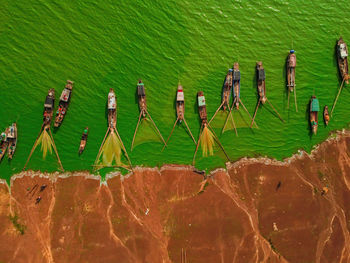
[326,115]
[202,107]
[261,82]
[64,103]
[342,55]
[314,109]
[236,76]
[291,64]
[226,90]
[180,103]
[83,140]
[142,97]
[12,140]
[48,107]
[112,109]
[3,143]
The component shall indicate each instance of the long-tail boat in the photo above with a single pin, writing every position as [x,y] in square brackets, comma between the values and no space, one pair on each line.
[47,118]
[64,103]
[112,128]
[202,109]
[291,64]
[12,140]
[342,56]
[3,143]
[141,93]
[83,140]
[326,115]
[314,109]
[262,91]
[236,76]
[225,99]
[180,112]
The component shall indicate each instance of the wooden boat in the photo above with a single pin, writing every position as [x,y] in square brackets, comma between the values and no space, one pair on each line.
[141,93]
[326,115]
[112,109]
[12,140]
[64,103]
[180,112]
[261,82]
[3,143]
[342,55]
[236,85]
[142,97]
[314,109]
[291,64]
[83,140]
[202,108]
[48,107]
[226,90]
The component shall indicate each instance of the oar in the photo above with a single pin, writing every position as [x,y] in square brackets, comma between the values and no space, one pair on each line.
[219,143]
[34,146]
[55,149]
[336,99]
[126,154]
[156,128]
[171,132]
[279,116]
[216,112]
[199,139]
[99,151]
[240,101]
[256,110]
[133,139]
[189,131]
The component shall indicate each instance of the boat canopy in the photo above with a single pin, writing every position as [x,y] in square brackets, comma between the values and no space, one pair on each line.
[292,60]
[201,101]
[180,96]
[49,102]
[343,51]
[111,101]
[315,105]
[141,89]
[65,95]
[261,74]
[11,132]
[236,75]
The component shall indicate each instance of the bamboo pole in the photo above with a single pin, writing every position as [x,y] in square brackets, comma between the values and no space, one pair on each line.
[55,149]
[171,132]
[288,98]
[240,101]
[228,116]
[279,116]
[189,131]
[216,112]
[133,139]
[336,99]
[156,128]
[219,143]
[34,146]
[295,98]
[256,110]
[199,139]
[126,154]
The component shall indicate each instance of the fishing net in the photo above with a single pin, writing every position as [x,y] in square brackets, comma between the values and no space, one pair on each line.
[111,152]
[207,142]
[46,143]
[240,117]
[146,133]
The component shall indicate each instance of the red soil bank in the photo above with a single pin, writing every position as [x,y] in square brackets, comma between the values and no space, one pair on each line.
[259,210]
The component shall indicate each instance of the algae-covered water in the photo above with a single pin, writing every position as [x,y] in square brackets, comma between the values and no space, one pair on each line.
[111,44]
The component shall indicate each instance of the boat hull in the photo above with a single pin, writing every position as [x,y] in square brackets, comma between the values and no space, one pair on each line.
[343,66]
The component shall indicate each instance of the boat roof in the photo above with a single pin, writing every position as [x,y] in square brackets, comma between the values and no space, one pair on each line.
[315,105]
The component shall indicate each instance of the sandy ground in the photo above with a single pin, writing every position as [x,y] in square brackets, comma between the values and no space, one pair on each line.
[258,210]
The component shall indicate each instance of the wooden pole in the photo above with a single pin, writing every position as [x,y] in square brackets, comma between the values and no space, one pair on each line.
[171,133]
[133,139]
[336,99]
[288,98]
[126,154]
[156,128]
[189,131]
[219,143]
[240,101]
[216,112]
[256,109]
[34,146]
[295,98]
[279,116]
[199,139]
[228,116]
[55,149]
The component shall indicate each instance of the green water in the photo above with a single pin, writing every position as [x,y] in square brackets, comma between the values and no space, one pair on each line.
[111,44]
